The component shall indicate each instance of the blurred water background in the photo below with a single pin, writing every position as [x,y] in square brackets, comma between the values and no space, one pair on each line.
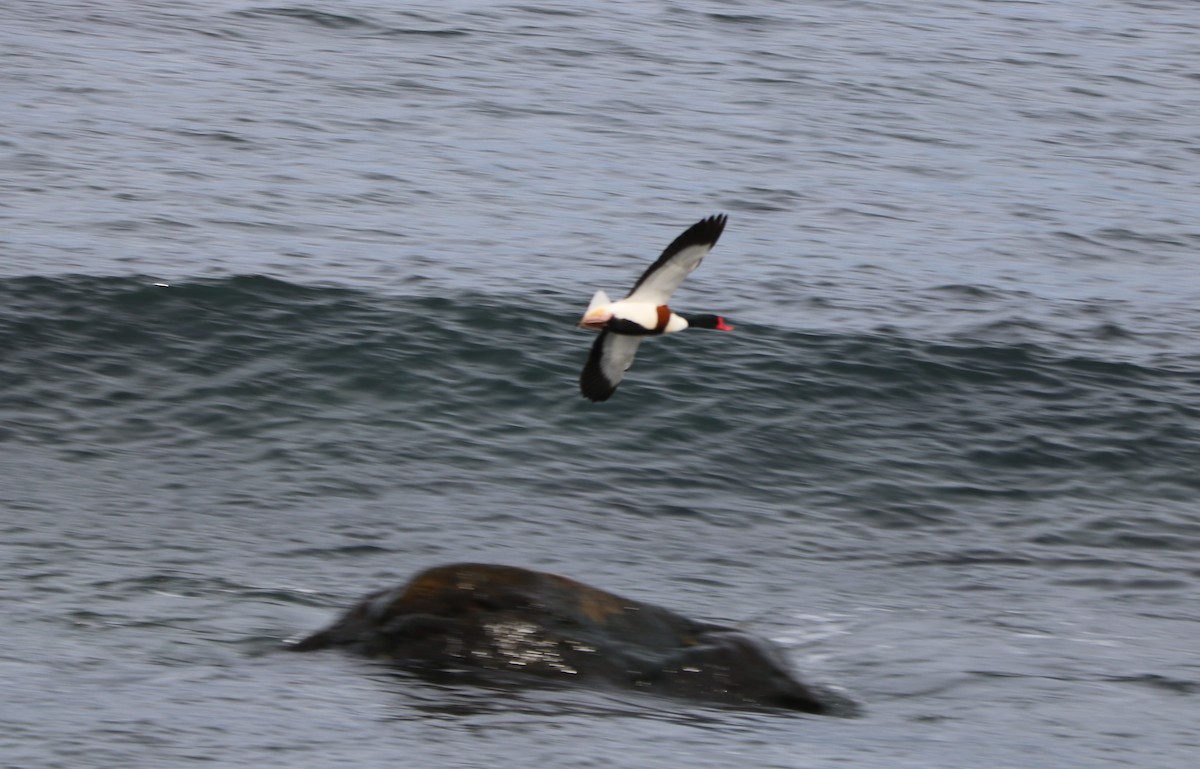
[287,296]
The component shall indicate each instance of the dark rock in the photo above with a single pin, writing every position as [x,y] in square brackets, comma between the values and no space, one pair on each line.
[502,619]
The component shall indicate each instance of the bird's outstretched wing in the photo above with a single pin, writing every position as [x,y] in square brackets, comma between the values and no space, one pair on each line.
[678,260]
[612,354]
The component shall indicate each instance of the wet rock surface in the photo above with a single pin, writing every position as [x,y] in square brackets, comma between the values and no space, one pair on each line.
[480,618]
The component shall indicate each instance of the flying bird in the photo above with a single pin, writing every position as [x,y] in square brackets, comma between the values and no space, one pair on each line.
[623,323]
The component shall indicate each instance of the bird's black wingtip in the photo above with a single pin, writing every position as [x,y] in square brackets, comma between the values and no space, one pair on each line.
[593,384]
[711,228]
[596,389]
[705,232]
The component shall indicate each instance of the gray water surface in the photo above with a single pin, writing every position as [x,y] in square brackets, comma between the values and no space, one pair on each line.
[947,460]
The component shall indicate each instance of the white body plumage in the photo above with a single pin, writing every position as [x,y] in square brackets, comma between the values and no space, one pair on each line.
[602,311]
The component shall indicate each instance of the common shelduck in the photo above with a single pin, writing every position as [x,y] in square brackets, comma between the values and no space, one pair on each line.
[644,312]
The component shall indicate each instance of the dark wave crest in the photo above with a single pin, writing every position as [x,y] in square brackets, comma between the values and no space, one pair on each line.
[474,380]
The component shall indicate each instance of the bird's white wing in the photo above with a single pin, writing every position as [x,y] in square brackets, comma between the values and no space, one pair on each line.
[612,354]
[677,262]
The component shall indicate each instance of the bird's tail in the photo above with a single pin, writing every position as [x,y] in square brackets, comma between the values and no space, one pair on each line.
[598,299]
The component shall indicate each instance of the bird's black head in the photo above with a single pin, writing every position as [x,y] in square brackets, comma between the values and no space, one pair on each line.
[707,321]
